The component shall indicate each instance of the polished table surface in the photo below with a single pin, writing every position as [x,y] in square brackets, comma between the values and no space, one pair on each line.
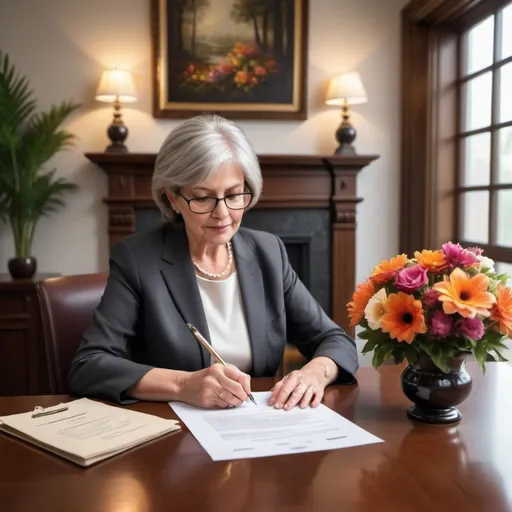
[466,467]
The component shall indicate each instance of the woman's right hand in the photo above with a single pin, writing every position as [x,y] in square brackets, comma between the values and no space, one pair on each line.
[216,386]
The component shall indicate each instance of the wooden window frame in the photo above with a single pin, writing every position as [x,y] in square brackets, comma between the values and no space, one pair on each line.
[492,249]
[431,57]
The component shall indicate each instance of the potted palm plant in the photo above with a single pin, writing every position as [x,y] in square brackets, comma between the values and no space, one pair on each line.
[28,140]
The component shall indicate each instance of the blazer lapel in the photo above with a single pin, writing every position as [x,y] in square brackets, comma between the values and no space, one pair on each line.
[178,273]
[253,297]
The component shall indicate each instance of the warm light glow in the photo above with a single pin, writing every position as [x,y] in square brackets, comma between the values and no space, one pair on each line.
[116,83]
[347,86]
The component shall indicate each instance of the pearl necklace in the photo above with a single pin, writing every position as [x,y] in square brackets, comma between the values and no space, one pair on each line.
[225,271]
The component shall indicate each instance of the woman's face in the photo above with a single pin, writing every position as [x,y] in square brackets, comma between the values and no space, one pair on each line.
[219,226]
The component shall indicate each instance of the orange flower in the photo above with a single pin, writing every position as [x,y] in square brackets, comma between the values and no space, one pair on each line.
[385,270]
[465,295]
[360,298]
[502,312]
[434,261]
[403,318]
[242,77]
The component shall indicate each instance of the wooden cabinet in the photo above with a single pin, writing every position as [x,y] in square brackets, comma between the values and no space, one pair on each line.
[23,369]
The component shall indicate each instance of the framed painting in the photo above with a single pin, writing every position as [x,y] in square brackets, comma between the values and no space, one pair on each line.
[238,58]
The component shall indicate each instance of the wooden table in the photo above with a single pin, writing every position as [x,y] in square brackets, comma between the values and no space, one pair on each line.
[467,467]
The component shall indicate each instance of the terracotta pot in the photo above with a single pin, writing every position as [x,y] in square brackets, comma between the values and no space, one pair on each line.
[434,392]
[22,268]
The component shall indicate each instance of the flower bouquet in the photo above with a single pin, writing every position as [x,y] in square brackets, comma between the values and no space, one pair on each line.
[438,304]
[243,68]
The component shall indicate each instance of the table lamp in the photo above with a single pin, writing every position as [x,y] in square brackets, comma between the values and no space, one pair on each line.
[344,90]
[116,86]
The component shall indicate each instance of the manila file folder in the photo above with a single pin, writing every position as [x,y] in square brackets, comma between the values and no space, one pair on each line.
[84,431]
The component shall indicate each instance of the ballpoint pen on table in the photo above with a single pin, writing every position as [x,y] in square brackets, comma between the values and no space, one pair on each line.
[213,352]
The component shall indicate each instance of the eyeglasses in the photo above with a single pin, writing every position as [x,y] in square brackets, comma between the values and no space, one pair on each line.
[208,204]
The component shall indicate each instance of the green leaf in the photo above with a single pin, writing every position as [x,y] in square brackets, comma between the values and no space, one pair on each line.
[481,355]
[501,358]
[440,359]
[438,353]
[399,356]
[365,335]
[368,347]
[376,336]
[503,278]
[411,353]
[383,352]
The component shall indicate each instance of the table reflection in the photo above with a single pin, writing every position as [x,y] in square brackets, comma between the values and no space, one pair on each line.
[412,475]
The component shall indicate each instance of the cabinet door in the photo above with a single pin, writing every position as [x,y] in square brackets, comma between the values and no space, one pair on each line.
[21,354]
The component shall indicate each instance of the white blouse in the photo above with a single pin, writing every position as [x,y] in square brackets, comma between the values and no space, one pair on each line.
[222,303]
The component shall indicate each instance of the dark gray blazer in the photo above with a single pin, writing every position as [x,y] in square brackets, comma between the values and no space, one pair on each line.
[152,292]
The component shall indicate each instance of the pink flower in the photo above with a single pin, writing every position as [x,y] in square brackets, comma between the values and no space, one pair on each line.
[457,256]
[430,298]
[472,327]
[225,69]
[409,279]
[476,250]
[212,76]
[440,324]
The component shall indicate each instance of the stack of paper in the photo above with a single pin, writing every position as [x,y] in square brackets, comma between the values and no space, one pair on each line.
[262,431]
[84,431]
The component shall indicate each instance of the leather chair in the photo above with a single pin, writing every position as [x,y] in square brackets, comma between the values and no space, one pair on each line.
[67,305]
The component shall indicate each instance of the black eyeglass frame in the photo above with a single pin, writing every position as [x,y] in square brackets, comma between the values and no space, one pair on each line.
[217,201]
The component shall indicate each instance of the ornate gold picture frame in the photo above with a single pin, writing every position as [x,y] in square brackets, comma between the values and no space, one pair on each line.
[239,58]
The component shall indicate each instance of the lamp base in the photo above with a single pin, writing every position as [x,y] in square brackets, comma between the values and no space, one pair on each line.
[116,147]
[345,149]
[345,135]
[117,132]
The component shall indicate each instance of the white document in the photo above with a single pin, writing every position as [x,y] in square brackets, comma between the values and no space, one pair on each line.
[261,431]
[87,431]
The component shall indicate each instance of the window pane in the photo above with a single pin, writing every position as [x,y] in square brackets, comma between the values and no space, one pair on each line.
[506,33]
[504,227]
[504,268]
[480,46]
[505,155]
[477,160]
[505,96]
[478,101]
[475,209]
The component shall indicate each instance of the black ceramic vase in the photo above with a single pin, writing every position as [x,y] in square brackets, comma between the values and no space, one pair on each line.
[435,393]
[22,268]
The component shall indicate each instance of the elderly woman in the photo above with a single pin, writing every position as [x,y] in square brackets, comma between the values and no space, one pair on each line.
[235,285]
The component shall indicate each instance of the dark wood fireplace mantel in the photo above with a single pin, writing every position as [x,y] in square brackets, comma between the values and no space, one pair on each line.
[290,182]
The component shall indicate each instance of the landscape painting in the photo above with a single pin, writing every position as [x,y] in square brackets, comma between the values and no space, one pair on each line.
[239,58]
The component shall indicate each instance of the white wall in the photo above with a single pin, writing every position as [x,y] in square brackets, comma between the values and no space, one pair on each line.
[63,45]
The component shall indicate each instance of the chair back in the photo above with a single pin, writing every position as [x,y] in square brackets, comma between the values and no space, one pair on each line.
[67,305]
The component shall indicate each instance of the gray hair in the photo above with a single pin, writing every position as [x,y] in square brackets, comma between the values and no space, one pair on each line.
[194,150]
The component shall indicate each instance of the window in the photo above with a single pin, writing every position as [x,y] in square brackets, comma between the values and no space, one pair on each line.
[484,191]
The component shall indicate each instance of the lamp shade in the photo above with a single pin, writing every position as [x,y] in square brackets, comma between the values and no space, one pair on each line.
[116,84]
[347,86]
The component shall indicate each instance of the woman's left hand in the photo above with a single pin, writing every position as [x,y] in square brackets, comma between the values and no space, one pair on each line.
[305,386]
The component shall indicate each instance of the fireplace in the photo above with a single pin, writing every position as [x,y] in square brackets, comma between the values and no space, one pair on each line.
[309,201]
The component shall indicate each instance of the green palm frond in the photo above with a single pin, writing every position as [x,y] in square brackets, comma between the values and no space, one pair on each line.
[42,138]
[16,102]
[28,140]
[46,196]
